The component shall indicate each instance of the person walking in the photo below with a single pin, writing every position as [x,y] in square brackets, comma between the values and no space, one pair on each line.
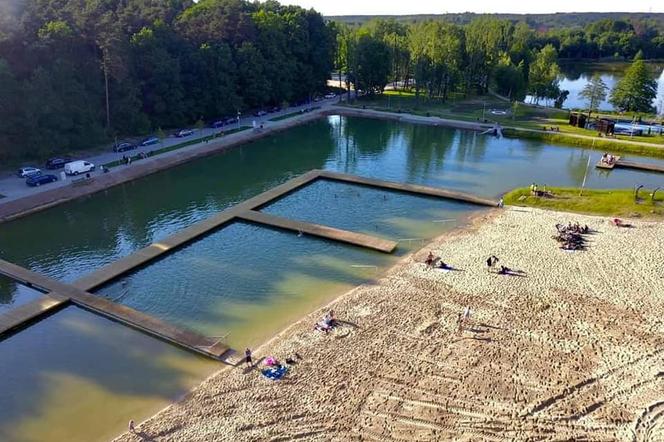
[247,357]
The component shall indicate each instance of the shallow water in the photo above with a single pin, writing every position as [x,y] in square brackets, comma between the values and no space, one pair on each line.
[75,376]
[244,282]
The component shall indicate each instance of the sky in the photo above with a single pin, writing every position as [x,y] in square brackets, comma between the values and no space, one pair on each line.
[395,7]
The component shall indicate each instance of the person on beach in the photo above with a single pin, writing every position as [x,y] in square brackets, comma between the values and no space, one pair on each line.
[459,323]
[443,266]
[429,260]
[247,357]
[466,314]
[132,428]
[329,319]
[491,261]
[501,203]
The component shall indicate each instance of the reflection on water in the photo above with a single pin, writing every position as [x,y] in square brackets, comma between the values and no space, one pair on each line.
[13,294]
[245,281]
[77,377]
[575,76]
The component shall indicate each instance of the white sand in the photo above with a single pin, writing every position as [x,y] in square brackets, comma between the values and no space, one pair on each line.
[573,351]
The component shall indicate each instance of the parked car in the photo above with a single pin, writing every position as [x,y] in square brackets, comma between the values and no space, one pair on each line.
[76,167]
[25,172]
[330,95]
[38,180]
[57,162]
[260,113]
[184,133]
[275,109]
[149,141]
[217,124]
[124,146]
[230,120]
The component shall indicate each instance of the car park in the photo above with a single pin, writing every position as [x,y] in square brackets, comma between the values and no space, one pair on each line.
[39,179]
[124,146]
[150,141]
[184,133]
[57,162]
[27,171]
[77,167]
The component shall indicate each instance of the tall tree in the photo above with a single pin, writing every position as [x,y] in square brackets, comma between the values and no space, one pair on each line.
[594,93]
[543,82]
[636,91]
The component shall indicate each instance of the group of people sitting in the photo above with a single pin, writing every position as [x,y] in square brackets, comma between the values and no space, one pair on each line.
[607,158]
[570,236]
[434,262]
[328,322]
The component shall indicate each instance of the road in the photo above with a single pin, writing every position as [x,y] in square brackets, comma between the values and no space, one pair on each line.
[13,187]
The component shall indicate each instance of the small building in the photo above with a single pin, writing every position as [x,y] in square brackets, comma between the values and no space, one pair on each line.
[606,126]
[577,119]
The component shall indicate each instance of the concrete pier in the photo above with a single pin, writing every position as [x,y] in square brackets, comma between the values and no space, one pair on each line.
[640,166]
[409,188]
[18,317]
[121,266]
[60,293]
[331,233]
[626,164]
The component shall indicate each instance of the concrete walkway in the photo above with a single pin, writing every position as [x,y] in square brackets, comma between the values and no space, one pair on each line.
[60,293]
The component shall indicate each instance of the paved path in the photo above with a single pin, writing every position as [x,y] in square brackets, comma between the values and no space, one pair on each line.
[12,187]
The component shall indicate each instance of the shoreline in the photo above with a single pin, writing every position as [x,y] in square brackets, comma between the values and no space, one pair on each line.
[344,385]
[27,205]
[471,223]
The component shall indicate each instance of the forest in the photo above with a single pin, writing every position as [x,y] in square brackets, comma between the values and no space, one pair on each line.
[75,74]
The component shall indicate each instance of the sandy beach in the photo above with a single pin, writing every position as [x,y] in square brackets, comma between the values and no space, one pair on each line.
[573,350]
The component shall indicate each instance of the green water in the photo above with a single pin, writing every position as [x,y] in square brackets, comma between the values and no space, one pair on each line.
[245,281]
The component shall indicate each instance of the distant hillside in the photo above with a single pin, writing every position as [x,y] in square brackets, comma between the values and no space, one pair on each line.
[536,21]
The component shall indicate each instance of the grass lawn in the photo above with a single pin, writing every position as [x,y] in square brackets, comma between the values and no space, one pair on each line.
[620,203]
[177,146]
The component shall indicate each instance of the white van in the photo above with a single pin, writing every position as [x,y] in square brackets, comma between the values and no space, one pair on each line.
[76,167]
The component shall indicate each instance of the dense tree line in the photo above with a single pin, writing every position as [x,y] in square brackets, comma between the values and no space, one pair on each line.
[74,74]
[609,38]
[437,59]
[540,22]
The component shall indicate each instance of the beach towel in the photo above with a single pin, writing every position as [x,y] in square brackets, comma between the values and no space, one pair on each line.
[275,373]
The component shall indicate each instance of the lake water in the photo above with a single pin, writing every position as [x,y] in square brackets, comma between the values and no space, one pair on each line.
[244,282]
[575,76]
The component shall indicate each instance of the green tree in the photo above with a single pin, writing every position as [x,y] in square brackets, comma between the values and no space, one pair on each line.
[372,63]
[636,91]
[543,82]
[594,92]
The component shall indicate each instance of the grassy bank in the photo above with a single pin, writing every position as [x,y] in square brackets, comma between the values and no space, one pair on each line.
[521,115]
[620,203]
[600,144]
